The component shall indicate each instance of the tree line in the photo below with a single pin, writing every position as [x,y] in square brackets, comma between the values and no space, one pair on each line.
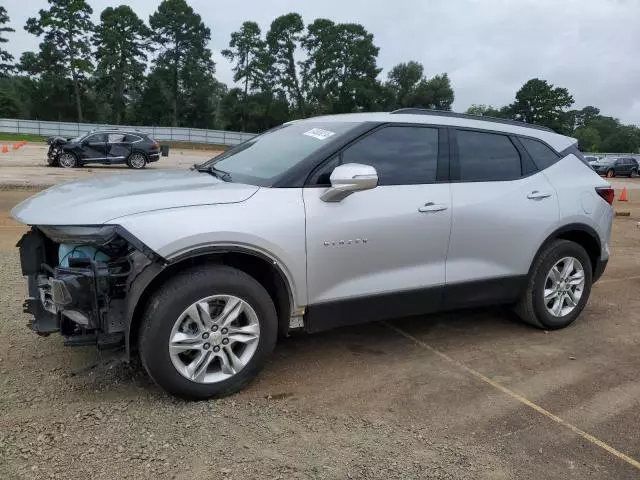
[541,103]
[124,70]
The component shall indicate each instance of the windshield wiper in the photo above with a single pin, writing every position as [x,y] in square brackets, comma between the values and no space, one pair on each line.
[216,172]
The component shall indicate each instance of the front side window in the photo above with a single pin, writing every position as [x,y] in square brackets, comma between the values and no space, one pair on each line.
[487,157]
[96,138]
[401,155]
[542,155]
[265,157]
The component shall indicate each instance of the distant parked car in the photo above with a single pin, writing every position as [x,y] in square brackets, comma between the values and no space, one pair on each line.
[108,147]
[616,166]
[591,159]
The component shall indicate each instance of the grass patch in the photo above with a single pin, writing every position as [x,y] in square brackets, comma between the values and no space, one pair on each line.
[17,137]
[194,146]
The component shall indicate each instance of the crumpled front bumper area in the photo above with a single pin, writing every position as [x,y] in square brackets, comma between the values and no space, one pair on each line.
[82,298]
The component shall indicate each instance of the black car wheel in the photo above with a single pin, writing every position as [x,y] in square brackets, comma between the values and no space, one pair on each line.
[67,160]
[137,160]
[610,173]
[634,172]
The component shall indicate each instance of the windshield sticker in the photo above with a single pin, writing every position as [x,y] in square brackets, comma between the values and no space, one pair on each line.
[319,133]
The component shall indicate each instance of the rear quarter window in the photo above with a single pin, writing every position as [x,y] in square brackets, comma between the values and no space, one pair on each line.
[132,138]
[542,155]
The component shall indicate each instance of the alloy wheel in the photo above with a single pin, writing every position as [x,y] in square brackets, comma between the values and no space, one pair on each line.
[67,160]
[564,286]
[137,160]
[214,338]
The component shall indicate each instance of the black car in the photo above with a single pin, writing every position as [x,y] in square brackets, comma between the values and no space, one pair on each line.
[108,147]
[616,166]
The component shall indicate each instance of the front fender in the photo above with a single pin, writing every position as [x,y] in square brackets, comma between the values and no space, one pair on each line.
[271,223]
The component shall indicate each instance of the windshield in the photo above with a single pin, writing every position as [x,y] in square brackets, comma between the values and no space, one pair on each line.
[265,157]
[77,139]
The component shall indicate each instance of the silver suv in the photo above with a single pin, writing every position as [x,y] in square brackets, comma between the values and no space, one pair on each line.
[316,224]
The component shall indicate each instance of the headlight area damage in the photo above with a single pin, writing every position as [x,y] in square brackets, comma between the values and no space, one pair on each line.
[79,279]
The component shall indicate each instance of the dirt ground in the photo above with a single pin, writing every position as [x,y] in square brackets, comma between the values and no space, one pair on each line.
[437,397]
[28,166]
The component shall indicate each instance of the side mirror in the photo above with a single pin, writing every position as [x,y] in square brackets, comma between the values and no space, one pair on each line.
[349,178]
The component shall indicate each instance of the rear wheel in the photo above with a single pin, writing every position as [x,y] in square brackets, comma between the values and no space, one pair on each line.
[137,160]
[559,286]
[634,173]
[207,332]
[610,173]
[67,160]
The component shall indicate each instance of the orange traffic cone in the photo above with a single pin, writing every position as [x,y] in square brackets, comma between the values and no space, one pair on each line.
[623,195]
[5,149]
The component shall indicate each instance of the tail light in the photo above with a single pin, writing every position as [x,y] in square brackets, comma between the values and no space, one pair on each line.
[607,193]
[155,145]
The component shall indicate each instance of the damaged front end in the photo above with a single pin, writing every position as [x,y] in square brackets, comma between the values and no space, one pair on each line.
[79,279]
[55,148]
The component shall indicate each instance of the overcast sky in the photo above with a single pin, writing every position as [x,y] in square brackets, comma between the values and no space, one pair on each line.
[489,48]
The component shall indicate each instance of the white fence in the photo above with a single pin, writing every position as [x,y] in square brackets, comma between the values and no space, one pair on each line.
[604,155]
[65,129]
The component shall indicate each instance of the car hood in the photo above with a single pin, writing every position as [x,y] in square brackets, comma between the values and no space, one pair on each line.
[100,199]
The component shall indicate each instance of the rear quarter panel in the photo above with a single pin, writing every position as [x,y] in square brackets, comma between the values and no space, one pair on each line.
[575,184]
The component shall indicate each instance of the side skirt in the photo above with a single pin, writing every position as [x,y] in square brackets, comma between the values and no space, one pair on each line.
[353,311]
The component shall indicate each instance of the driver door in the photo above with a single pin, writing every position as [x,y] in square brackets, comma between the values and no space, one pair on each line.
[94,147]
[379,253]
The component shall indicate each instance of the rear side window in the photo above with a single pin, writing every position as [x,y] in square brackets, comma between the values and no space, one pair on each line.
[131,138]
[401,155]
[487,157]
[116,138]
[542,155]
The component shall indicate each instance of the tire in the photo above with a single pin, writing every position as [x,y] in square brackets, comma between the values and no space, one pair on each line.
[532,307]
[610,174]
[67,160]
[137,160]
[634,173]
[170,303]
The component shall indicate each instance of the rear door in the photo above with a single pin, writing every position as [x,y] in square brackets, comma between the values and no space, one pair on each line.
[94,147]
[118,148]
[503,209]
[621,166]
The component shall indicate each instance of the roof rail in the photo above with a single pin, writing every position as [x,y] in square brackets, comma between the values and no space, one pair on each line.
[445,113]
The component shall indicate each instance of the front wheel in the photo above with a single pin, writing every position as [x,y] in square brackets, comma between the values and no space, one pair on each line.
[67,160]
[558,287]
[137,160]
[634,173]
[610,174]
[207,332]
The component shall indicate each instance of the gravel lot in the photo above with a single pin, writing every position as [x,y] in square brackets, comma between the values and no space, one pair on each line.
[363,402]
[28,166]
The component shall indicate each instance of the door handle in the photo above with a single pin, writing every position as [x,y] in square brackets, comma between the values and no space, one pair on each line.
[536,195]
[432,207]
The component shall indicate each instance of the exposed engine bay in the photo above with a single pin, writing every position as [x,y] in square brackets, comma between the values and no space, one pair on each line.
[78,282]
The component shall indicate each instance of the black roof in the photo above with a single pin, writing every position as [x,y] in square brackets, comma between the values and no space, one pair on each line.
[445,113]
